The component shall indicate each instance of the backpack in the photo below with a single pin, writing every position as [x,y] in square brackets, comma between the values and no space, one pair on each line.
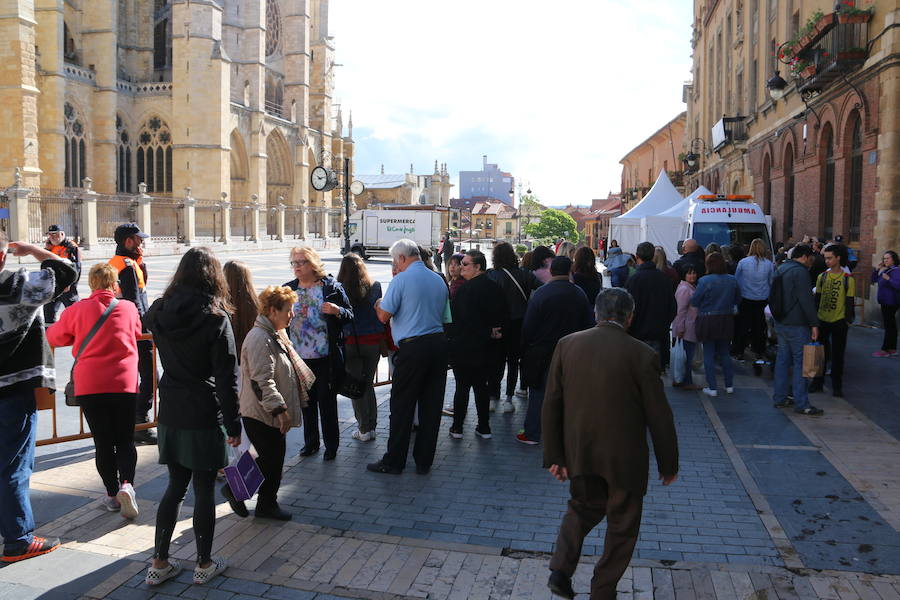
[776,297]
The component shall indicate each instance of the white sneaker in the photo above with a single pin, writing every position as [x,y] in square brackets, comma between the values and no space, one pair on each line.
[202,576]
[128,500]
[522,394]
[494,403]
[729,390]
[109,503]
[710,393]
[363,437]
[508,406]
[158,576]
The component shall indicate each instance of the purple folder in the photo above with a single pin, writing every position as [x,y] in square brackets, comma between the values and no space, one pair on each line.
[244,477]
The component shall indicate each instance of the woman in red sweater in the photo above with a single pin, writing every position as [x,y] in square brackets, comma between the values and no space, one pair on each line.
[106,381]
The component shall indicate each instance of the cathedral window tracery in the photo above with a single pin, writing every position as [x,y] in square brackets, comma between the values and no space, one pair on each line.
[75,151]
[154,155]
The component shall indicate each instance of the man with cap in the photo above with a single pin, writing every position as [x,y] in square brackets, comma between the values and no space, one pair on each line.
[129,262]
[60,245]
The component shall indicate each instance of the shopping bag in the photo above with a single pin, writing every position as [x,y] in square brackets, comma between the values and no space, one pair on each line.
[243,476]
[813,359]
[678,360]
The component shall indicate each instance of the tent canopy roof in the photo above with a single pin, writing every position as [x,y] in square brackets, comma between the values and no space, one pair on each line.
[661,197]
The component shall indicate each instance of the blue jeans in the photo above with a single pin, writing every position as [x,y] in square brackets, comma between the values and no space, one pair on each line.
[533,416]
[791,339]
[717,349]
[689,349]
[18,426]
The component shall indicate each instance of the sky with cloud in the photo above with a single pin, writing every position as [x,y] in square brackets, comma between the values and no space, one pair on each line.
[554,92]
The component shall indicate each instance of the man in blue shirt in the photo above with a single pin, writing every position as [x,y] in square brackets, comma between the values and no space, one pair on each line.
[415,304]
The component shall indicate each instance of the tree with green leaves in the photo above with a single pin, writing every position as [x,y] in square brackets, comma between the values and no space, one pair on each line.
[552,225]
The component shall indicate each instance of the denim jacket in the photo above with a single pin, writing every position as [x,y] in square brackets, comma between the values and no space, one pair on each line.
[754,275]
[716,295]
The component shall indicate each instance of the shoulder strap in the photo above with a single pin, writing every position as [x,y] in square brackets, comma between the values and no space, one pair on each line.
[95,329]
[521,291]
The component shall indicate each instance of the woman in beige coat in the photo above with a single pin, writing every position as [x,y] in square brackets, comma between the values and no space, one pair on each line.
[274,388]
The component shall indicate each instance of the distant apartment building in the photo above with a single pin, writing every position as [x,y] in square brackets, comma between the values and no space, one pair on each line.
[489,182]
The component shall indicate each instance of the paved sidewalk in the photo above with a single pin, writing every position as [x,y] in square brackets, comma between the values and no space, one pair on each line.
[769,505]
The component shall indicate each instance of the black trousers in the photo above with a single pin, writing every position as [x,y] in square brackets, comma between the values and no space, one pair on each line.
[512,353]
[270,446]
[111,419]
[204,510]
[148,381]
[889,315]
[591,500]
[322,399]
[420,378]
[472,377]
[750,327]
[834,336]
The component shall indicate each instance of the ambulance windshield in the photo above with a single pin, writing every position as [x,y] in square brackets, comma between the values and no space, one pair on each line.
[728,234]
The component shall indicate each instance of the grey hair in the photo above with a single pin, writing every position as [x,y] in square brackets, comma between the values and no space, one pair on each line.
[404,247]
[614,304]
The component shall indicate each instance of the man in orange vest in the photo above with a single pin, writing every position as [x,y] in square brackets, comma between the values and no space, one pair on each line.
[129,262]
[60,245]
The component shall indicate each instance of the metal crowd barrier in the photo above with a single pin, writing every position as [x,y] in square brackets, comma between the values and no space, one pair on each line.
[46,400]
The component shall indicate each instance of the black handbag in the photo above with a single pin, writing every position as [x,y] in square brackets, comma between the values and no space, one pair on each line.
[351,386]
[71,400]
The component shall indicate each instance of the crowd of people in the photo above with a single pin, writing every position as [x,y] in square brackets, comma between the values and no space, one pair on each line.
[238,363]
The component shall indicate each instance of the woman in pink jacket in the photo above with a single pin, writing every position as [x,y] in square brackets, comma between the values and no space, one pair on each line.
[106,381]
[683,325]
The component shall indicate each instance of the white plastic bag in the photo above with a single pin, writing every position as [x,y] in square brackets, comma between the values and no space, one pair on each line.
[677,361]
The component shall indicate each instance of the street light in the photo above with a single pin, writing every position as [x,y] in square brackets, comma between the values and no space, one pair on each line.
[692,159]
[777,86]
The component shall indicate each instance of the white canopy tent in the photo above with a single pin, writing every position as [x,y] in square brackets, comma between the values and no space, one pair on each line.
[667,228]
[628,229]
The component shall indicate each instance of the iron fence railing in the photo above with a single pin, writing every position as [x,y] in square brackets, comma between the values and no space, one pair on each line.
[112,211]
[208,221]
[241,220]
[53,207]
[165,215]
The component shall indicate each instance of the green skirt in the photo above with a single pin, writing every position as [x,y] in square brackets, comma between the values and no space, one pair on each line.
[196,449]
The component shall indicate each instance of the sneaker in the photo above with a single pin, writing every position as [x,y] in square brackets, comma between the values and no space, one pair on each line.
[882,354]
[784,403]
[521,437]
[145,437]
[158,576]
[456,433]
[710,393]
[110,503]
[38,546]
[128,501]
[494,403]
[508,406]
[522,394]
[892,352]
[810,411]
[484,433]
[447,411]
[729,390]
[363,437]
[217,565]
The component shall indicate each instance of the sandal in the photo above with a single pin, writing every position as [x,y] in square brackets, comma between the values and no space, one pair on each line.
[157,576]
[202,575]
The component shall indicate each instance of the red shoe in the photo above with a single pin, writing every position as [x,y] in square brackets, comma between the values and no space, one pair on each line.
[37,547]
[522,438]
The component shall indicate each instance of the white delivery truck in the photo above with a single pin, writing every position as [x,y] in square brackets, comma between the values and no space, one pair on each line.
[373,231]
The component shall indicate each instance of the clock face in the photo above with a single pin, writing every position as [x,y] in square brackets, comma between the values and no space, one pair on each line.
[357,188]
[319,178]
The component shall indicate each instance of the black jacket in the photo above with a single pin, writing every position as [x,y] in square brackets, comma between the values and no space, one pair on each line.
[654,302]
[590,285]
[515,302]
[477,308]
[696,259]
[333,292]
[198,389]
[128,282]
[801,306]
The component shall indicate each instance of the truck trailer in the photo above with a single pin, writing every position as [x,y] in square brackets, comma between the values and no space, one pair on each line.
[373,231]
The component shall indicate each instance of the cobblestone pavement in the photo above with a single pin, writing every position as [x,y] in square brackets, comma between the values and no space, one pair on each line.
[768,505]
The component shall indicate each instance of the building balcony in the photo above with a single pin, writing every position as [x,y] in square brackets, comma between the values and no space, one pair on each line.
[728,130]
[839,49]
[274,108]
[76,73]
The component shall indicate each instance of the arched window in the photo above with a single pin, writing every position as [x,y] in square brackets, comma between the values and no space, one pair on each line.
[828,185]
[70,53]
[767,185]
[856,179]
[788,192]
[273,27]
[124,177]
[154,156]
[76,156]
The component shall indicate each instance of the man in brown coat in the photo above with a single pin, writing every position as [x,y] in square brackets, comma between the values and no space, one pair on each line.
[595,419]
